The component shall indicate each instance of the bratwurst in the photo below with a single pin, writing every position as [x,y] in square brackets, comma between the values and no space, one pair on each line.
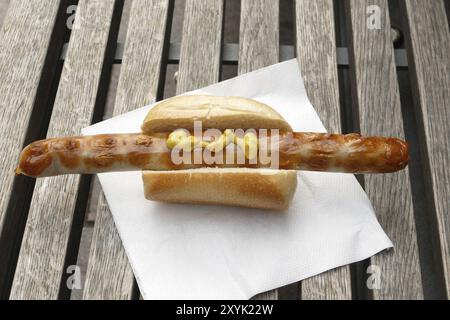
[323,152]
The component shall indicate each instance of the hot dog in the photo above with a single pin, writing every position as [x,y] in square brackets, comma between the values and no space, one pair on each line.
[350,153]
[243,154]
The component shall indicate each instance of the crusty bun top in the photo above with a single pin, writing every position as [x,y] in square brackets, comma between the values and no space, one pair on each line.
[214,112]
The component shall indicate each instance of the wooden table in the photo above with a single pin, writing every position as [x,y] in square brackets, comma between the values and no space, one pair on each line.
[351,77]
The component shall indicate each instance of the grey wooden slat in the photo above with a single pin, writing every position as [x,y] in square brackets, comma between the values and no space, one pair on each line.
[259,34]
[258,48]
[269,295]
[25,39]
[316,54]
[428,42]
[200,44]
[109,275]
[377,95]
[39,273]
[331,285]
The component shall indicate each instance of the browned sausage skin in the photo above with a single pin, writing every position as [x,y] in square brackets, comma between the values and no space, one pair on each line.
[128,152]
[92,154]
[349,153]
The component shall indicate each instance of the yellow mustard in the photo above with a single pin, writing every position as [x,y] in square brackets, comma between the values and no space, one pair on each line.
[184,140]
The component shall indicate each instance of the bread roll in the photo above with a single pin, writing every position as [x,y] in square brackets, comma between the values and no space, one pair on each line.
[252,188]
[215,112]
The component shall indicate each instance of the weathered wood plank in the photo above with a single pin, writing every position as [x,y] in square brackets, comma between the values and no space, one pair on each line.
[377,101]
[331,285]
[28,59]
[109,275]
[259,47]
[53,218]
[269,295]
[428,42]
[201,44]
[259,34]
[316,54]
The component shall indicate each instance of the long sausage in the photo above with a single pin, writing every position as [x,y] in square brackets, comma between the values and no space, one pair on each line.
[350,153]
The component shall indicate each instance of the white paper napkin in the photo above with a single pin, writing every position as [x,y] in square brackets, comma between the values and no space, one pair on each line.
[213,252]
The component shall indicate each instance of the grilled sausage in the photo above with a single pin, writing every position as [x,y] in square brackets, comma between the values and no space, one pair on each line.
[128,152]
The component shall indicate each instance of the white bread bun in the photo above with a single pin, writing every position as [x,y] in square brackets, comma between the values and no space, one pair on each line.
[215,112]
[252,188]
